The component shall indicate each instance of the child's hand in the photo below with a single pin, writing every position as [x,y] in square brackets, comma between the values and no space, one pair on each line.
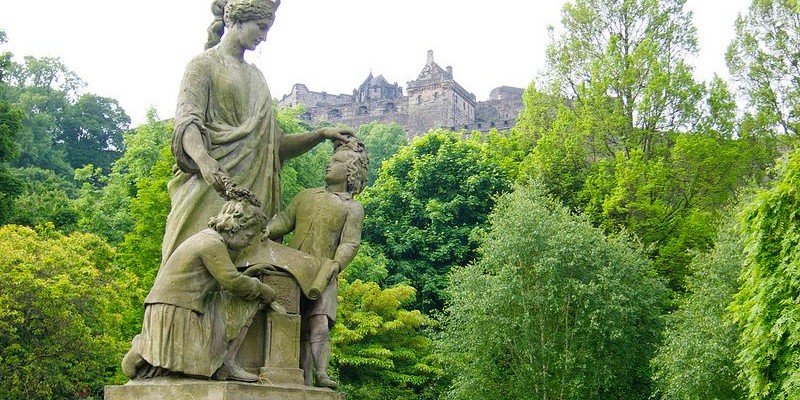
[258,269]
[267,294]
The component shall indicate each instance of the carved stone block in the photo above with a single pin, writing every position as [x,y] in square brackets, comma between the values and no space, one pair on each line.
[286,290]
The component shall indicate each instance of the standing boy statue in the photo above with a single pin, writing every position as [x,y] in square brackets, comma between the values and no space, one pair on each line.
[327,223]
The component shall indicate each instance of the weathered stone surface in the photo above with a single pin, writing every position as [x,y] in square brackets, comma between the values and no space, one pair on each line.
[188,389]
[286,290]
[272,345]
[433,100]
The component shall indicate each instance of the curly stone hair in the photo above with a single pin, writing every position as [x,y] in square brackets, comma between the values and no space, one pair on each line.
[357,164]
[226,13]
[236,215]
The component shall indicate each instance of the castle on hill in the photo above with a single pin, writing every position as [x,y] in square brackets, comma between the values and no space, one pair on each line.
[433,100]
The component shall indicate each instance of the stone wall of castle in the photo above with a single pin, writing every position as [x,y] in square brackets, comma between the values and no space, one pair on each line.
[433,100]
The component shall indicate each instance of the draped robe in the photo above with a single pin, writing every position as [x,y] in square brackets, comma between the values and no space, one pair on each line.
[231,105]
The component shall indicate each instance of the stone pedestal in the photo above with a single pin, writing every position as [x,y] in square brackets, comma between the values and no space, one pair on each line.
[194,389]
[271,348]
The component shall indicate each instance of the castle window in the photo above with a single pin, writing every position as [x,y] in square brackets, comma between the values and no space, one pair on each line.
[419,99]
[363,110]
[492,124]
[435,95]
[334,114]
[389,107]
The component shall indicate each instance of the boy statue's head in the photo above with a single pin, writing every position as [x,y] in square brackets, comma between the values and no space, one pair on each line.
[349,159]
[239,222]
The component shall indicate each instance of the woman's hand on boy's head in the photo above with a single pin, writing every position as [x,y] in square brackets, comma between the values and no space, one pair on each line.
[335,133]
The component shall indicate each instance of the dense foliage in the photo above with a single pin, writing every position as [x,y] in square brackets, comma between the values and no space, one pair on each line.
[379,350]
[626,135]
[763,59]
[427,203]
[766,307]
[552,310]
[62,301]
[697,359]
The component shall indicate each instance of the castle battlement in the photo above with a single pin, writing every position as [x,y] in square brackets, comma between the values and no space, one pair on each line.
[433,100]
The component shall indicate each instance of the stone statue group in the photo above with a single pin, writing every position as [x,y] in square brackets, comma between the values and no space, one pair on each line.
[225,197]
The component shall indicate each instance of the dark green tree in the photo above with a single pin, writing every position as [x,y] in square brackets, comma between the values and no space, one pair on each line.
[91,130]
[425,207]
[624,134]
[10,187]
[46,198]
[105,199]
[382,141]
[697,359]
[63,129]
[552,309]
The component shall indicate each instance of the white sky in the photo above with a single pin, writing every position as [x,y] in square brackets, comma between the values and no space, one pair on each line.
[135,50]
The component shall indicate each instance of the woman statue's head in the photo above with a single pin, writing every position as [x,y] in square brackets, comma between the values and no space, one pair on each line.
[229,12]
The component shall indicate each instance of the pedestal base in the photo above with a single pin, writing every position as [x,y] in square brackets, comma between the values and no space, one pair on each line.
[193,389]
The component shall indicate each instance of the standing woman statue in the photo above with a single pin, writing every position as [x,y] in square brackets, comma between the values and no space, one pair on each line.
[225,129]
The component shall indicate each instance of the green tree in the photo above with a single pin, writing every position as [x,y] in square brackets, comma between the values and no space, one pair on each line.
[381,141]
[43,88]
[105,200]
[379,348]
[61,302]
[63,128]
[92,131]
[553,309]
[10,187]
[697,359]
[5,58]
[427,202]
[763,59]
[140,249]
[45,198]
[765,306]
[624,134]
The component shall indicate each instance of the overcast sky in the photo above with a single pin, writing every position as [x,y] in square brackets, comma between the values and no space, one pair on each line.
[135,51]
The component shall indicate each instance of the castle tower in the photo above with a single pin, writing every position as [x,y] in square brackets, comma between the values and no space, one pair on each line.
[436,100]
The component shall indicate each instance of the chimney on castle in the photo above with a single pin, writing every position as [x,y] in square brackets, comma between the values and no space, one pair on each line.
[449,71]
[430,56]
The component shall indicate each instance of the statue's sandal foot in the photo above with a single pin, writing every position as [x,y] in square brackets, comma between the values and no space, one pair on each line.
[324,381]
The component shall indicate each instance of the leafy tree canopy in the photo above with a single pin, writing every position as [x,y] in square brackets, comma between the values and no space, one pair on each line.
[61,302]
[763,59]
[428,201]
[380,351]
[696,360]
[552,309]
[766,306]
[382,141]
